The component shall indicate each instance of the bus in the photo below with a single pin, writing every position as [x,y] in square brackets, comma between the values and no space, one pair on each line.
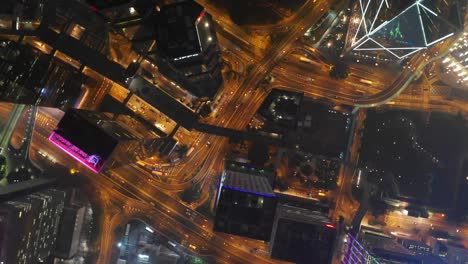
[365,81]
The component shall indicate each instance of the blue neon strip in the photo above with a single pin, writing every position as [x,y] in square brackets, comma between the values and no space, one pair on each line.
[355,248]
[250,192]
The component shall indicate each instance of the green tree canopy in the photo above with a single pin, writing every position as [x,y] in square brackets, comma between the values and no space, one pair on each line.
[259,153]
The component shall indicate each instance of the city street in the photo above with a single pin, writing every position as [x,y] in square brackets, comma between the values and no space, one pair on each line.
[135,191]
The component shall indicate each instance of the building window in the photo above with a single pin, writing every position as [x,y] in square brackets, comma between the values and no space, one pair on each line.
[76,31]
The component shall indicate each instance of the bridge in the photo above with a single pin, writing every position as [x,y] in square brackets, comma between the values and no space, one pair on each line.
[237,134]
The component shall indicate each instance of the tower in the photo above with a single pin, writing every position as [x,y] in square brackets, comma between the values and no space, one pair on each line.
[245,202]
[29,226]
[397,29]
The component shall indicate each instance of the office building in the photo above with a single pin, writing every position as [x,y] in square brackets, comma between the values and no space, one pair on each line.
[124,13]
[397,29]
[245,204]
[28,226]
[374,246]
[75,33]
[25,187]
[70,19]
[163,102]
[21,15]
[186,40]
[279,112]
[302,236]
[109,4]
[356,253]
[415,247]
[69,232]
[388,256]
[27,76]
[96,138]
[454,66]
[450,252]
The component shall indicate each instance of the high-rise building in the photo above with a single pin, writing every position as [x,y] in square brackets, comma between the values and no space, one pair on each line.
[246,203]
[69,232]
[75,33]
[356,253]
[109,4]
[374,247]
[25,187]
[454,67]
[400,28]
[28,226]
[21,15]
[96,138]
[415,247]
[27,76]
[186,40]
[302,236]
[76,22]
[449,251]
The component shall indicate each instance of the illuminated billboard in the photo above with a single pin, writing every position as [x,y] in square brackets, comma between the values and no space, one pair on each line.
[87,137]
[92,162]
[401,28]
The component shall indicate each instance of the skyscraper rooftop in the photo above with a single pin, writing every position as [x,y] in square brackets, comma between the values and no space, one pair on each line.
[403,28]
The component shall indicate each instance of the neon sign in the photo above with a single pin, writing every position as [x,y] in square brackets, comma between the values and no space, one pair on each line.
[94,159]
[200,17]
[92,162]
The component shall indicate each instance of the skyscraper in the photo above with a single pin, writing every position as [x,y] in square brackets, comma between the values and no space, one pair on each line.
[455,65]
[187,42]
[109,4]
[400,27]
[72,32]
[28,226]
[69,231]
[356,253]
[302,236]
[95,138]
[28,76]
[21,15]
[245,203]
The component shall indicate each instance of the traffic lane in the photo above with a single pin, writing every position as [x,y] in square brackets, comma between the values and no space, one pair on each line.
[172,207]
[69,160]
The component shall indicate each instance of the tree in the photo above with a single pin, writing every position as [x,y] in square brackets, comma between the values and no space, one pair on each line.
[2,166]
[281,184]
[296,160]
[339,70]
[182,150]
[205,110]
[196,260]
[191,194]
[357,193]
[330,185]
[205,209]
[259,153]
[306,169]
[248,69]
[378,207]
